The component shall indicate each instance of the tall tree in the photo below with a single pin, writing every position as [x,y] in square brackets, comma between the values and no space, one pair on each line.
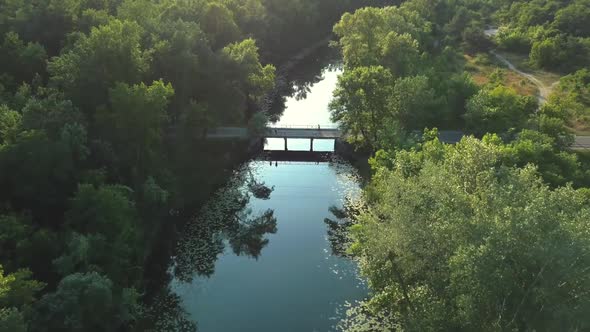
[361,103]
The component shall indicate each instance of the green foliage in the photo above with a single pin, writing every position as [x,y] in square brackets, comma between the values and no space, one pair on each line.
[19,60]
[134,124]
[360,103]
[50,112]
[258,124]
[571,100]
[462,242]
[556,167]
[219,25]
[514,40]
[10,123]
[38,173]
[554,32]
[108,220]
[84,106]
[414,103]
[573,19]
[11,320]
[18,289]
[244,60]
[111,53]
[371,36]
[498,110]
[84,302]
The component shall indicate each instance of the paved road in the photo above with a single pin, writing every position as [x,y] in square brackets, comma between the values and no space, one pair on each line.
[581,143]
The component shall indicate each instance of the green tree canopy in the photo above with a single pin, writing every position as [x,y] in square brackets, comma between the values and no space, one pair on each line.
[84,302]
[134,124]
[453,240]
[498,110]
[111,53]
[361,103]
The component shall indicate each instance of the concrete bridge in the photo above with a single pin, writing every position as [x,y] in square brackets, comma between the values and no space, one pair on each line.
[330,132]
[308,132]
[298,132]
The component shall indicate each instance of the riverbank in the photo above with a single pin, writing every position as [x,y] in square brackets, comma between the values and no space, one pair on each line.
[275,245]
[226,156]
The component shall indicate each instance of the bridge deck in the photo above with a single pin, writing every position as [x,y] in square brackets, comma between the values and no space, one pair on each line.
[302,133]
[451,137]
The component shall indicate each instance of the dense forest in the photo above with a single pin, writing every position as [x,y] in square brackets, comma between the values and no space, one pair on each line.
[491,233]
[104,105]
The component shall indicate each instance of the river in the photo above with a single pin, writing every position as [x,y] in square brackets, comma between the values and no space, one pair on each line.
[260,256]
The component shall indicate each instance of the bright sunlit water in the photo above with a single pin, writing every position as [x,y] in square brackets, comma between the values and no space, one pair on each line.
[295,284]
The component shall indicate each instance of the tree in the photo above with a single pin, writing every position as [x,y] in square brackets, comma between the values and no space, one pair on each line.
[111,53]
[257,125]
[47,110]
[10,122]
[414,103]
[361,103]
[400,54]
[249,74]
[371,35]
[454,240]
[38,173]
[18,289]
[20,60]
[134,124]
[108,221]
[498,110]
[219,24]
[573,19]
[12,320]
[85,302]
[182,56]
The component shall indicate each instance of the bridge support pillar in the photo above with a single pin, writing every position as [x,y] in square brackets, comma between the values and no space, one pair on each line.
[286,147]
[311,145]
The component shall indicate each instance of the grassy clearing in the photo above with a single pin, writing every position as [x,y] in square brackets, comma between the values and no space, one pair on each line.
[522,62]
[485,68]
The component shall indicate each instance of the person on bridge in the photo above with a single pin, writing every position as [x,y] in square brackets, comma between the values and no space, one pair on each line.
[319,127]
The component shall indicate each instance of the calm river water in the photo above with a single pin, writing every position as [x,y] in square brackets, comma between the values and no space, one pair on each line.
[262,261]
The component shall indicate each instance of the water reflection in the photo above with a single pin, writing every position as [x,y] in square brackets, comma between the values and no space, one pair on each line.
[259,257]
[298,84]
[225,218]
[295,271]
[339,226]
[166,314]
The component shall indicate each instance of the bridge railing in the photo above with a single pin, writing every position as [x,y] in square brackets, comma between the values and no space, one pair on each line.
[321,126]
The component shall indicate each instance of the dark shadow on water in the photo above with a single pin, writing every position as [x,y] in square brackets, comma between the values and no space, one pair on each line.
[308,156]
[225,220]
[339,227]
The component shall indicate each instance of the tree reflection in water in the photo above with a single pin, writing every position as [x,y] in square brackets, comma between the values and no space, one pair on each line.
[298,82]
[339,227]
[225,219]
